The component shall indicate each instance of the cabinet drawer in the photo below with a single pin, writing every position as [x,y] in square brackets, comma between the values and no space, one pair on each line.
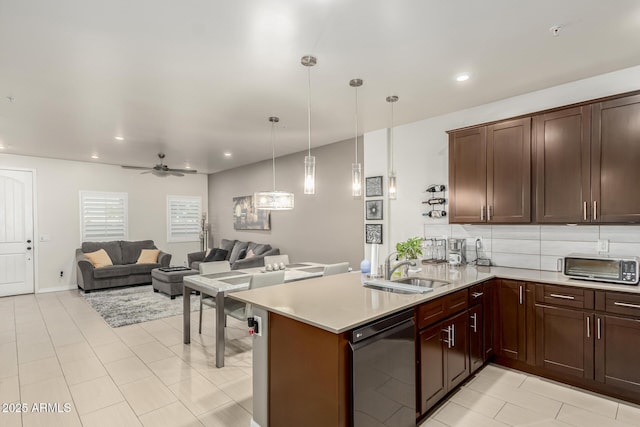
[565,296]
[439,308]
[619,303]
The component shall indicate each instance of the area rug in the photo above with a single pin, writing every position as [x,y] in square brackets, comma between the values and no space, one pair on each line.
[126,306]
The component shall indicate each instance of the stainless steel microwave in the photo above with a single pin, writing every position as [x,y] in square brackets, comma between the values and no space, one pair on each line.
[604,268]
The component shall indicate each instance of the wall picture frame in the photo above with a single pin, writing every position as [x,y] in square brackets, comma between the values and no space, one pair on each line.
[373,186]
[247,217]
[373,233]
[374,210]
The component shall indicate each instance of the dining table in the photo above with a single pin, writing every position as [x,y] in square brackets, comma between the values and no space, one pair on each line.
[219,284]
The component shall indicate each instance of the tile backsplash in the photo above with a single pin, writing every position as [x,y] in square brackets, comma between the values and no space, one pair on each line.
[538,246]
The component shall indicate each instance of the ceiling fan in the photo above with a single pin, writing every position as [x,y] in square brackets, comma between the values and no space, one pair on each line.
[161,169]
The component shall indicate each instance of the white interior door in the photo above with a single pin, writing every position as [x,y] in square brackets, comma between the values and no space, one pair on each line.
[16,232]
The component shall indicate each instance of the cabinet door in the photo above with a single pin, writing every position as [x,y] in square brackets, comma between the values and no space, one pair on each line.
[489,307]
[618,352]
[615,159]
[457,363]
[509,171]
[433,383]
[468,175]
[564,341]
[563,169]
[476,330]
[512,328]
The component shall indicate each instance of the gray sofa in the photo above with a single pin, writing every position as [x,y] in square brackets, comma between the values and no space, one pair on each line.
[124,270]
[235,256]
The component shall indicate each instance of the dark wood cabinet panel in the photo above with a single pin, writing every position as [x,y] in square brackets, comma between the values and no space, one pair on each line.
[512,327]
[617,352]
[440,308]
[615,156]
[489,315]
[476,331]
[458,350]
[433,380]
[564,341]
[563,168]
[509,171]
[565,296]
[468,175]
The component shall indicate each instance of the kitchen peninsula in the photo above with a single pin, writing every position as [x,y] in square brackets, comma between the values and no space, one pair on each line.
[577,332]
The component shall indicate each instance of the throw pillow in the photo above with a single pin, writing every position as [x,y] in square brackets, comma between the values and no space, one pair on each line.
[148,256]
[242,254]
[250,254]
[99,258]
[220,255]
[210,254]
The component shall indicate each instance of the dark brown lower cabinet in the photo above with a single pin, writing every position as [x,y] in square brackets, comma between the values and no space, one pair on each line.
[514,327]
[476,332]
[444,358]
[564,341]
[617,350]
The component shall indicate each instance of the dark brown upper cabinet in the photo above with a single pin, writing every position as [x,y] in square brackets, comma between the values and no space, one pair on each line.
[563,165]
[615,161]
[490,173]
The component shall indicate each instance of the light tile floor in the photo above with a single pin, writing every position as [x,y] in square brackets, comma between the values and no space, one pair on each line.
[55,349]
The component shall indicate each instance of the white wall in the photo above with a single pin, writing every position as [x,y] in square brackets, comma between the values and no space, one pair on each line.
[58,183]
[421,148]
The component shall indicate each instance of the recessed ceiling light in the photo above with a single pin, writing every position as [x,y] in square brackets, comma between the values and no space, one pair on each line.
[187,167]
[95,156]
[462,77]
[227,154]
[1,147]
[119,138]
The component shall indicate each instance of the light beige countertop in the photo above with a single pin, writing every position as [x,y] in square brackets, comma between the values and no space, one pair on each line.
[341,303]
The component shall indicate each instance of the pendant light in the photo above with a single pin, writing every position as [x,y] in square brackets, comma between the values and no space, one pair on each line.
[273,200]
[393,184]
[309,160]
[356,168]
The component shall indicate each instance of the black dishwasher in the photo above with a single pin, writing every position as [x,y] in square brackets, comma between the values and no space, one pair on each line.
[383,388]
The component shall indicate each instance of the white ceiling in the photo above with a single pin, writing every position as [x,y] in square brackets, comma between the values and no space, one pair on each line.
[195,78]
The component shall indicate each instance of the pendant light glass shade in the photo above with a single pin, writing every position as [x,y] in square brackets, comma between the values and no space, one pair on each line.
[392,179]
[273,200]
[356,168]
[309,160]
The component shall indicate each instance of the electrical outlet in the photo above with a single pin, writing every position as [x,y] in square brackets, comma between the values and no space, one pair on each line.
[258,328]
[603,245]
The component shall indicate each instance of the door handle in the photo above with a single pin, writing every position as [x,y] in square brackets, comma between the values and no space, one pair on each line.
[588,326]
[448,340]
[598,328]
[481,213]
[489,213]
[453,335]
[584,210]
[595,210]
[29,241]
[626,304]
[520,299]
[474,319]
[477,294]
[28,248]
[562,296]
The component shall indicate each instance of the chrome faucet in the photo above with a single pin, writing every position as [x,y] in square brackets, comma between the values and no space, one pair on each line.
[388,271]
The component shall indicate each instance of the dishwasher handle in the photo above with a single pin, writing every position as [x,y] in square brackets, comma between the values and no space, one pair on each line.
[382,335]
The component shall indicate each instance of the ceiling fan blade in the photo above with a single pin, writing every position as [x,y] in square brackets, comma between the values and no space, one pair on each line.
[159,173]
[182,170]
[174,173]
[136,167]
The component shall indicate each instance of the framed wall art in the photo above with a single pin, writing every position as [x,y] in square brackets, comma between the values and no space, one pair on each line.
[373,233]
[374,210]
[373,186]
[247,217]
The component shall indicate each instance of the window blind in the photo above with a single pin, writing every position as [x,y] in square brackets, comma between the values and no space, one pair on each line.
[183,218]
[103,216]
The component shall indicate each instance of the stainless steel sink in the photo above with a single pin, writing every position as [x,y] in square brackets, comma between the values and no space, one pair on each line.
[422,282]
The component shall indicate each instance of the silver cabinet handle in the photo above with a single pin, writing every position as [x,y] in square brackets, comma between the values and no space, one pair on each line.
[584,210]
[595,210]
[453,335]
[520,294]
[598,328]
[481,213]
[448,340]
[626,304]
[477,294]
[588,326]
[474,317]
[489,213]
[564,296]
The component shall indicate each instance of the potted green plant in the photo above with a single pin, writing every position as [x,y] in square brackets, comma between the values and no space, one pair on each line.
[410,248]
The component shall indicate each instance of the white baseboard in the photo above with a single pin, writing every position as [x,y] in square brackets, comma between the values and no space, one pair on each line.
[56,289]
[254,423]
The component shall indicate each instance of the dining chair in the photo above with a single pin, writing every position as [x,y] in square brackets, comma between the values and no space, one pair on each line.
[240,310]
[339,268]
[210,268]
[270,259]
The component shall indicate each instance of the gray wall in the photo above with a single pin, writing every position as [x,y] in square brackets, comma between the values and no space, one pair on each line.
[327,227]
